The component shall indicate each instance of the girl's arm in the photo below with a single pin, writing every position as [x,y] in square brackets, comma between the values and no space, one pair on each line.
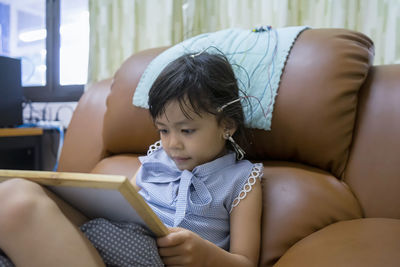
[246,225]
[185,248]
[133,179]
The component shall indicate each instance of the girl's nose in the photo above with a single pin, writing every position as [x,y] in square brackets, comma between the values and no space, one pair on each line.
[174,141]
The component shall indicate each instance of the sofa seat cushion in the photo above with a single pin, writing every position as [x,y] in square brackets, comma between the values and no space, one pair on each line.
[360,242]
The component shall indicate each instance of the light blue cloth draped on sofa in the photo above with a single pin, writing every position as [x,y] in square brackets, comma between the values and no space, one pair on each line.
[257,57]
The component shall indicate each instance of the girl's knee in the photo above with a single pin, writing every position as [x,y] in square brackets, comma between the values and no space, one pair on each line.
[19,202]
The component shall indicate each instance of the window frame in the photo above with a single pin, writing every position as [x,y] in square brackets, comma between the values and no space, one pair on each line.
[53,91]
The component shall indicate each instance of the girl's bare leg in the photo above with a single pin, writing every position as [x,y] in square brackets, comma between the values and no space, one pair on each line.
[34,231]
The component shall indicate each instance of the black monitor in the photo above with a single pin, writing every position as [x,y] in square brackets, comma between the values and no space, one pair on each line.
[11,95]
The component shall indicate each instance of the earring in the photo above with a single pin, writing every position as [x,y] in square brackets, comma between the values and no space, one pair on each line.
[239,151]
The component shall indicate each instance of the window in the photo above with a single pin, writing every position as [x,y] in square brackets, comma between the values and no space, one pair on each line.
[51,37]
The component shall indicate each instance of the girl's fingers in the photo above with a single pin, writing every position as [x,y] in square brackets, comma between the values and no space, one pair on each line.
[170,251]
[174,238]
[175,229]
[173,261]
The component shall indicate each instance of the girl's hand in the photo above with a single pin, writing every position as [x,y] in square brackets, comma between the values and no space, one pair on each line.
[183,247]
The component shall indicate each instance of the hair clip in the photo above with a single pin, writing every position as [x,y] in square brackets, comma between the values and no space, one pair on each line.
[219,109]
[194,55]
[199,53]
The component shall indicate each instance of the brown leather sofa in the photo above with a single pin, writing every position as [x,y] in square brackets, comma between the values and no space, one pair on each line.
[331,188]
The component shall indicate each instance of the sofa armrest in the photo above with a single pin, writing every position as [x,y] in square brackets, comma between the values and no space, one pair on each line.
[83,146]
[373,167]
[297,201]
[356,243]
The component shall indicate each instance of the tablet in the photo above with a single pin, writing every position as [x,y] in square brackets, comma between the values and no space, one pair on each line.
[112,197]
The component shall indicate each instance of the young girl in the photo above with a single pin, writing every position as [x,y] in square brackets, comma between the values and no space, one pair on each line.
[194,178]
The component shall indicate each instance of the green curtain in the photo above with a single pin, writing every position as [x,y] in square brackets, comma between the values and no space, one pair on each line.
[119,28]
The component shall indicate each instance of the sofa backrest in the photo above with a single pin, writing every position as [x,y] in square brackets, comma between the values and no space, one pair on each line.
[127,128]
[315,110]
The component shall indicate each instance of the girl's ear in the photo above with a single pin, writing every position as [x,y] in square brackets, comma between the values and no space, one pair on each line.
[229,126]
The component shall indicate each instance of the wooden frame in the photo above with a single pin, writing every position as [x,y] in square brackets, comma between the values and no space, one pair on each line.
[96,195]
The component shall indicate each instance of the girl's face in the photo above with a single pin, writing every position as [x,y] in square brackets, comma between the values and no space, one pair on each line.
[190,142]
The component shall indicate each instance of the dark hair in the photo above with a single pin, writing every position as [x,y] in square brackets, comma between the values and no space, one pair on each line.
[201,82]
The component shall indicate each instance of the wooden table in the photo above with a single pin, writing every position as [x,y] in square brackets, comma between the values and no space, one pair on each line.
[11,132]
[21,148]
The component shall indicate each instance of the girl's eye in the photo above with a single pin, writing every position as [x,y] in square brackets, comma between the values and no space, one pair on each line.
[188,131]
[163,131]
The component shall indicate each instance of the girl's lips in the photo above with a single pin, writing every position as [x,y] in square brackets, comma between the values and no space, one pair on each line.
[180,159]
